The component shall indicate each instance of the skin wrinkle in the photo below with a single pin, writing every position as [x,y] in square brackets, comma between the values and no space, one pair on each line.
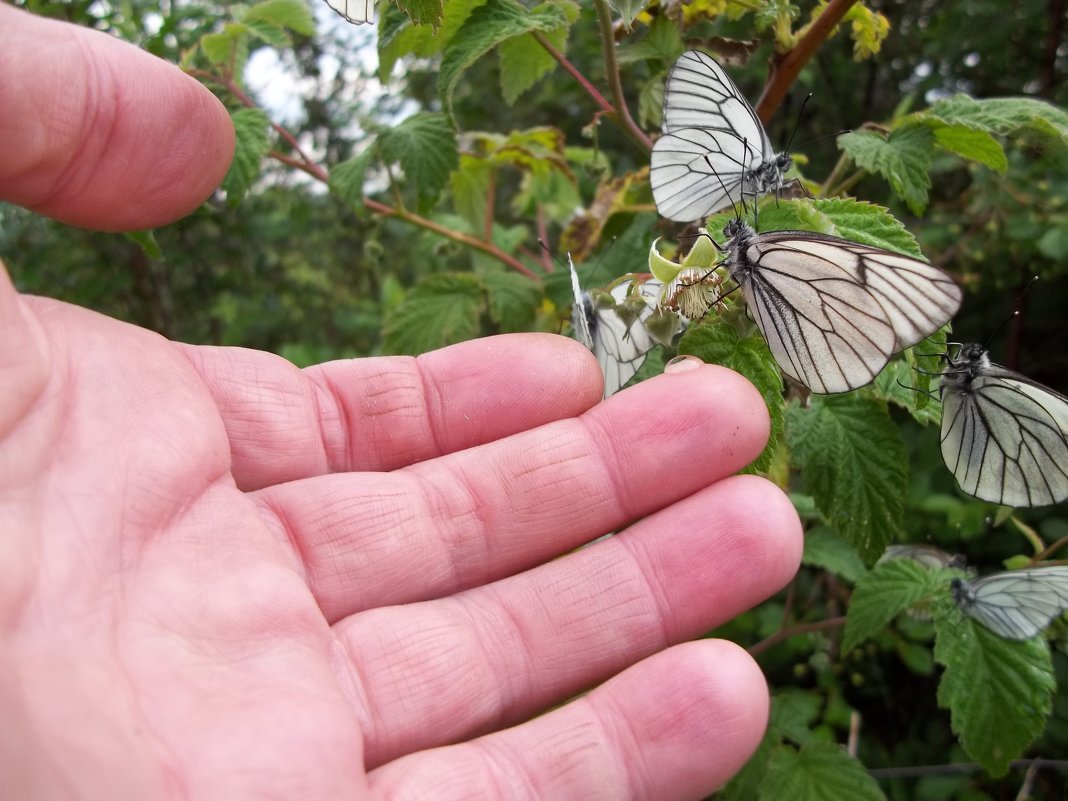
[338,459]
[451,541]
[632,747]
[92,119]
[499,661]
[430,411]
[269,513]
[420,677]
[509,774]
[661,608]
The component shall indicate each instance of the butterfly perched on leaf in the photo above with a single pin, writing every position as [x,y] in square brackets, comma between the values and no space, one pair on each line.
[714,151]
[1015,605]
[1004,436]
[833,312]
[613,326]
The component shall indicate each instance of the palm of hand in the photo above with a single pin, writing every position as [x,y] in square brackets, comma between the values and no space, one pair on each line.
[225,577]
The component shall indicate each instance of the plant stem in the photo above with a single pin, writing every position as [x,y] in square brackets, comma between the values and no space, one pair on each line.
[611,68]
[836,175]
[785,70]
[785,634]
[572,70]
[848,183]
[308,165]
[617,110]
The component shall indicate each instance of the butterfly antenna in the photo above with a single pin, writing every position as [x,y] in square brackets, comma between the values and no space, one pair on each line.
[1015,312]
[797,124]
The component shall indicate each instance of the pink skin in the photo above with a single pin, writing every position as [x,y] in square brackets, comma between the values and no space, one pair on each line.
[224,577]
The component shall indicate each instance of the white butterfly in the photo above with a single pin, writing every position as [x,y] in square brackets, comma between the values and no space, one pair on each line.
[1016,605]
[714,151]
[1004,436]
[833,311]
[355,11]
[619,341]
[927,556]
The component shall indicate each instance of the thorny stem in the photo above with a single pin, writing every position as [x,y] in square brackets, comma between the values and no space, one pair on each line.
[785,70]
[316,171]
[785,634]
[572,70]
[611,68]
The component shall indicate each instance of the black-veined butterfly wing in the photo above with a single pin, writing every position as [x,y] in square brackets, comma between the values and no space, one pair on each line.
[620,345]
[1015,605]
[355,11]
[714,150]
[928,556]
[1004,437]
[833,312]
[696,171]
[699,94]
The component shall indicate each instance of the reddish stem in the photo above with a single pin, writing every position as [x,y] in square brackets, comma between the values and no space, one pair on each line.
[786,68]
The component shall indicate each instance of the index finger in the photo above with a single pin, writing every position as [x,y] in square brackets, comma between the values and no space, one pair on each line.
[100,134]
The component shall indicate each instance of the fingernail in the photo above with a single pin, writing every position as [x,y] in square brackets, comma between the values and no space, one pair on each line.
[682,364]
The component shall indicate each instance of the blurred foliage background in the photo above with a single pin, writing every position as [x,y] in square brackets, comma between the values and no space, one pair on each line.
[295,270]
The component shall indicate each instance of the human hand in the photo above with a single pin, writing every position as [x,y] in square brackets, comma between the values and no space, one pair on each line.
[224,577]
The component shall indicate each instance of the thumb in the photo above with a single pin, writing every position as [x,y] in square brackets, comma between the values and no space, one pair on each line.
[100,134]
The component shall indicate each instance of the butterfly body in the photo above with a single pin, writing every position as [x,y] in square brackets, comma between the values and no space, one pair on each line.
[714,151]
[833,312]
[1004,436]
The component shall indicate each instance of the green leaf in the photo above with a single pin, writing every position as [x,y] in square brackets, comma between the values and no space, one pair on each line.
[826,550]
[423,12]
[513,299]
[252,144]
[888,589]
[793,712]
[715,341]
[998,692]
[662,43]
[398,37]
[424,146]
[1053,244]
[972,144]
[1004,116]
[785,215]
[524,61]
[487,27]
[147,240]
[909,381]
[470,184]
[268,32]
[440,310]
[903,159]
[817,772]
[853,462]
[651,102]
[346,180]
[868,29]
[218,46]
[868,224]
[628,9]
[294,15]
